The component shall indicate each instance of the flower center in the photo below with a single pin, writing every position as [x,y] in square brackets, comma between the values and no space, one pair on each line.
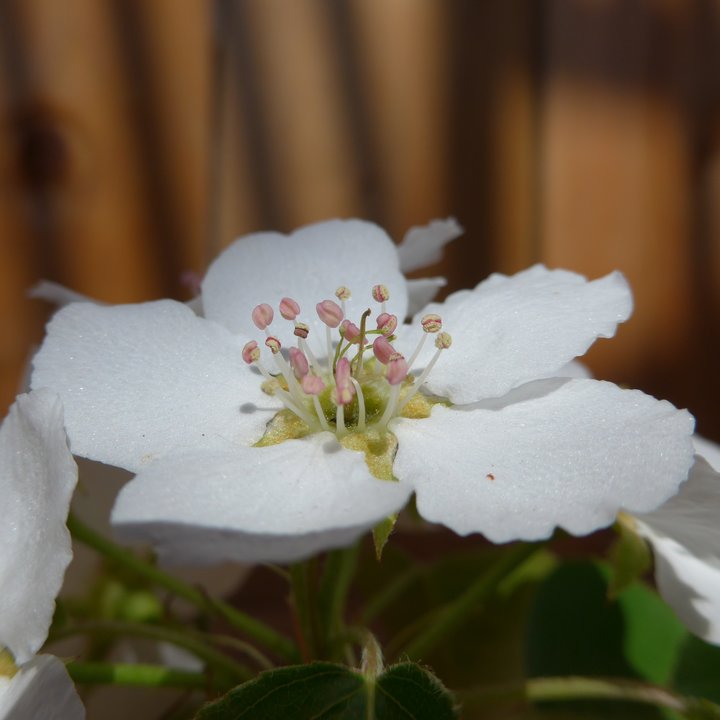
[360,383]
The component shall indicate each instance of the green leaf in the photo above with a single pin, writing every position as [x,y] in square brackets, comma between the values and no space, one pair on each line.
[334,692]
[697,670]
[382,532]
[629,558]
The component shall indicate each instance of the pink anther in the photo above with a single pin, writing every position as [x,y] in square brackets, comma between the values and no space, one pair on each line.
[251,352]
[312,384]
[387,323]
[274,344]
[301,330]
[350,331]
[299,363]
[330,313]
[380,293]
[383,350]
[262,316]
[431,323]
[289,309]
[344,388]
[443,341]
[397,369]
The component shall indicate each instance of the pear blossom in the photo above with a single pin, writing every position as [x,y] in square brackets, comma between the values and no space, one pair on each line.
[685,538]
[38,476]
[274,448]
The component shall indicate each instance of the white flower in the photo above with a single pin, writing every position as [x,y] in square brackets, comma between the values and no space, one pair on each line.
[38,477]
[164,393]
[685,538]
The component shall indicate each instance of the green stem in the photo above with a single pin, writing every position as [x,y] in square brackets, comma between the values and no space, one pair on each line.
[452,615]
[186,640]
[337,577]
[138,675]
[565,689]
[389,593]
[303,601]
[255,629]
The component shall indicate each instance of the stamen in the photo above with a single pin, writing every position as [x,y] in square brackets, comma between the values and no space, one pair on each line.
[430,323]
[381,294]
[301,330]
[309,353]
[349,331]
[340,421]
[387,323]
[330,313]
[251,352]
[361,404]
[382,349]
[251,355]
[273,343]
[313,386]
[262,316]
[442,342]
[397,369]
[342,294]
[289,309]
[299,363]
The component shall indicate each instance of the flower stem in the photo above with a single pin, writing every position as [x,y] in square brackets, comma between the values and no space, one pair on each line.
[187,640]
[255,629]
[89,673]
[303,599]
[334,588]
[560,689]
[451,616]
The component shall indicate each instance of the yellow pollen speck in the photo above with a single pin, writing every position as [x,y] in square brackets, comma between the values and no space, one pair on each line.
[418,407]
[379,448]
[286,425]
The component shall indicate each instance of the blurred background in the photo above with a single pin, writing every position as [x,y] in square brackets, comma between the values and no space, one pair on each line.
[139,138]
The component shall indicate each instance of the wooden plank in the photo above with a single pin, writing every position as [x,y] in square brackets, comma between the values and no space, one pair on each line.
[310,154]
[404,62]
[615,171]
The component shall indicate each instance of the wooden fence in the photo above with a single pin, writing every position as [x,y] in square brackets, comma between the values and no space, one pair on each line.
[140,136]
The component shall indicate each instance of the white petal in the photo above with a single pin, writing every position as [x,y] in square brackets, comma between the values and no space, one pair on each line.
[57,294]
[273,504]
[567,453]
[685,536]
[138,381]
[422,291]
[41,690]
[709,450]
[424,245]
[308,266]
[511,330]
[37,479]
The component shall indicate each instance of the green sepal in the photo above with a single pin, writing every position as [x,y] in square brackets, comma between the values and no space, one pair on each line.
[382,532]
[335,692]
[629,558]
